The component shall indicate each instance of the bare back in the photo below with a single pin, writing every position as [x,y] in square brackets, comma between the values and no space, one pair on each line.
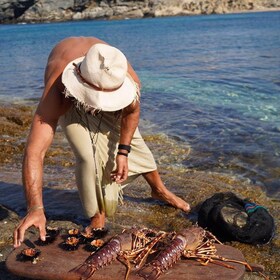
[64,52]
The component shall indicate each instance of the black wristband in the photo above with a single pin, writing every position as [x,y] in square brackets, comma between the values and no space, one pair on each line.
[122,154]
[124,147]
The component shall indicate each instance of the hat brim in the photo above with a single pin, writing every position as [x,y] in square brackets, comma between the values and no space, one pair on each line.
[92,98]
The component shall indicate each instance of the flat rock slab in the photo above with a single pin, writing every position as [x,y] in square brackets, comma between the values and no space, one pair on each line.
[55,263]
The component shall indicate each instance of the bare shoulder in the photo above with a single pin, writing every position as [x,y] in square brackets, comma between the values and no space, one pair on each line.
[73,47]
[53,103]
[66,51]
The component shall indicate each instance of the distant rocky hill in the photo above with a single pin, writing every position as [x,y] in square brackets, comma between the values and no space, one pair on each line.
[14,11]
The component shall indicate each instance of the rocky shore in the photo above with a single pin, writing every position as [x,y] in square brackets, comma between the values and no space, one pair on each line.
[31,11]
[138,208]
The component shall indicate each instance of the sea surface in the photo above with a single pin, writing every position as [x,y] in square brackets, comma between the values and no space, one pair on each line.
[212,82]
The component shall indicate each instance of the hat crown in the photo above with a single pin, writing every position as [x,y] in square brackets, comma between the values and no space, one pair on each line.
[104,66]
[99,80]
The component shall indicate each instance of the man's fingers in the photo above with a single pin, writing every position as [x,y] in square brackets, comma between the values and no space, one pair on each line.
[121,177]
[16,241]
[31,219]
[116,176]
[113,176]
[16,234]
[19,236]
[42,230]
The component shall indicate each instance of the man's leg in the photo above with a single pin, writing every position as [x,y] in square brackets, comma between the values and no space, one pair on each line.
[160,192]
[80,141]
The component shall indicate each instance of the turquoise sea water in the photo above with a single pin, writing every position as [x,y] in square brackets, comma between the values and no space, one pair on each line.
[211,81]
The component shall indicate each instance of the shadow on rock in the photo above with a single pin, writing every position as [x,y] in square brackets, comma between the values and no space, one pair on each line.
[59,204]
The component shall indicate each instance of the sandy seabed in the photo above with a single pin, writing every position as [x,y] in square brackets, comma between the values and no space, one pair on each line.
[138,208]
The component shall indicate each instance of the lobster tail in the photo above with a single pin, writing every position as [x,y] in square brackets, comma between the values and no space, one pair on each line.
[99,259]
[164,260]
[84,271]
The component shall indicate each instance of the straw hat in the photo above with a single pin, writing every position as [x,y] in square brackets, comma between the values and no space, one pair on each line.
[99,80]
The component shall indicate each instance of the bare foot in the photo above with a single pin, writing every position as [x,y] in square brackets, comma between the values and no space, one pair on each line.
[96,222]
[171,198]
[160,192]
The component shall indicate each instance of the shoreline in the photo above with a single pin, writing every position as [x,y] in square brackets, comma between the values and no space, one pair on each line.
[255,11]
[124,17]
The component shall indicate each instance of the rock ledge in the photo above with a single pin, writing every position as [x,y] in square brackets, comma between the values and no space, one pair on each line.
[32,11]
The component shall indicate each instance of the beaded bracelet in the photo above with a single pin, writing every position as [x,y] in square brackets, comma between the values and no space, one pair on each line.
[124,147]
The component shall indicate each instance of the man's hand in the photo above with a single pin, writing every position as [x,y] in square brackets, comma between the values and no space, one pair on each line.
[120,174]
[34,218]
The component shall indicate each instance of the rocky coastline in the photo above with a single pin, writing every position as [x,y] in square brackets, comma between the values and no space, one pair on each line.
[35,11]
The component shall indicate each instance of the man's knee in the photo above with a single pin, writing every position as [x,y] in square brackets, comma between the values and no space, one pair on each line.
[84,158]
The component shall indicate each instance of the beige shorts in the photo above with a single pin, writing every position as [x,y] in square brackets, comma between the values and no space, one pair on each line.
[94,140]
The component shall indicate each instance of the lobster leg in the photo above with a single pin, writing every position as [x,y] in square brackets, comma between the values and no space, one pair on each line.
[123,259]
[143,255]
[211,236]
[248,267]
[205,262]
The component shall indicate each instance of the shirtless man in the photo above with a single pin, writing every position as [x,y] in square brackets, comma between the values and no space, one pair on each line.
[93,93]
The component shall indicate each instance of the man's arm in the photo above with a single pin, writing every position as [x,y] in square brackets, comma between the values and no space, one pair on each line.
[40,137]
[129,123]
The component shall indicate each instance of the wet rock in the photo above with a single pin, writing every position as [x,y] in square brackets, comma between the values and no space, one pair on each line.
[15,121]
[139,208]
[15,124]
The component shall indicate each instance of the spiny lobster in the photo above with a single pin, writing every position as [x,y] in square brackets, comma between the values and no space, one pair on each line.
[131,246]
[193,243]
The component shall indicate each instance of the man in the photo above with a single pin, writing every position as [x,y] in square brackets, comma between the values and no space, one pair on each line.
[93,92]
